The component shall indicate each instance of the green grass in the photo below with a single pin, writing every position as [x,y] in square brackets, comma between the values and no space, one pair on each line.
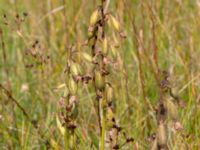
[60,25]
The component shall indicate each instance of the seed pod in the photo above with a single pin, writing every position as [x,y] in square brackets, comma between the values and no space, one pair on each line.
[54,144]
[105,46]
[72,85]
[99,81]
[94,17]
[104,104]
[75,69]
[114,51]
[90,31]
[162,135]
[115,23]
[60,127]
[172,109]
[87,57]
[109,114]
[109,94]
[74,113]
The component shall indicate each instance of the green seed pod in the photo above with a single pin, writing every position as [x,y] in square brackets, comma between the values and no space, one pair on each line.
[115,23]
[87,57]
[99,80]
[162,135]
[172,109]
[94,17]
[105,46]
[72,85]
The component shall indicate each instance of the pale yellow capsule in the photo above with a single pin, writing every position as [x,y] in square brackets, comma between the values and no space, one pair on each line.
[115,23]
[109,114]
[87,57]
[99,81]
[162,135]
[114,51]
[90,31]
[172,109]
[54,144]
[105,46]
[72,85]
[60,127]
[109,93]
[94,17]
[74,69]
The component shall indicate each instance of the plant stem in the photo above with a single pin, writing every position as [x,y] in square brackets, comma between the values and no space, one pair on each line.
[103,131]
[67,136]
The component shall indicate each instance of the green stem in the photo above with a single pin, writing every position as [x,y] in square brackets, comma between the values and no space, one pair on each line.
[67,138]
[103,131]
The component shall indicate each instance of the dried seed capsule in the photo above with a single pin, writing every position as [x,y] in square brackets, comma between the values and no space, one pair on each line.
[99,80]
[94,17]
[105,46]
[115,23]
[162,135]
[87,57]
[72,85]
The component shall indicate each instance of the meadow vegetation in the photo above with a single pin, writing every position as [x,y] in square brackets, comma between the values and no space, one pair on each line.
[100,74]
